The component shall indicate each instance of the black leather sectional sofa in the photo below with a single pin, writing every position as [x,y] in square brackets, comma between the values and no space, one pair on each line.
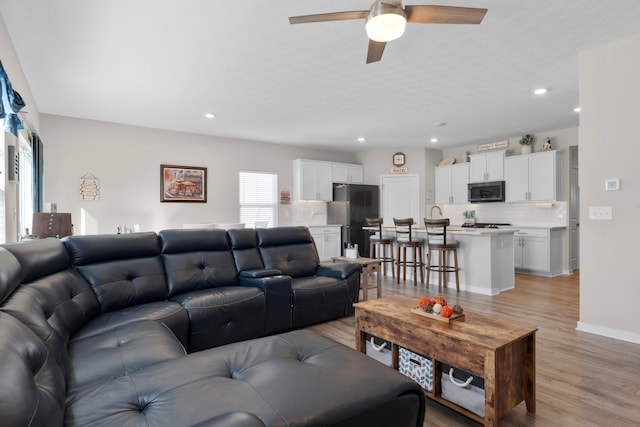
[185,328]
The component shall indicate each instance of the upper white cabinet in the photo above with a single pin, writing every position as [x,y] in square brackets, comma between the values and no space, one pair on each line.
[348,173]
[487,166]
[451,183]
[532,177]
[312,180]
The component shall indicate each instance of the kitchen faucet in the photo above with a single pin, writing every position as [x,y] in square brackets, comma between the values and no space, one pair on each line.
[436,207]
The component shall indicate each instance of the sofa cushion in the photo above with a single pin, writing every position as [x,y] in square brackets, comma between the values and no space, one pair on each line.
[193,240]
[232,419]
[288,249]
[197,259]
[10,274]
[32,391]
[53,301]
[171,314]
[85,250]
[294,379]
[223,315]
[40,257]
[123,269]
[120,351]
[244,243]
[317,299]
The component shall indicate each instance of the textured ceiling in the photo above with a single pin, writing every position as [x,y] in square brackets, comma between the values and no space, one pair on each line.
[164,64]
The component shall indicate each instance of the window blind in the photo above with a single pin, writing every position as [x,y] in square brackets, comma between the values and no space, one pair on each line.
[258,199]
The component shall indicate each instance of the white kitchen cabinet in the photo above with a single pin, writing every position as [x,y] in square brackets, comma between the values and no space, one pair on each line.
[532,177]
[538,251]
[451,183]
[348,173]
[312,180]
[327,240]
[487,166]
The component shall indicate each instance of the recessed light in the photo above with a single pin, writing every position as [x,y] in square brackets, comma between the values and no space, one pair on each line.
[576,110]
[434,139]
[362,139]
[540,91]
[210,116]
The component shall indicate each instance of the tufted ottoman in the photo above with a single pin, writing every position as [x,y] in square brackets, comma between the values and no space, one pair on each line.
[295,379]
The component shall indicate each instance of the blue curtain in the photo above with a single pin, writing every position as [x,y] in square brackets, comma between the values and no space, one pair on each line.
[37,149]
[11,103]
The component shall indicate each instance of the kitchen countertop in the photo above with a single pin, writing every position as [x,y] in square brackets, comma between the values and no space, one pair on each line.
[477,231]
[548,227]
[460,230]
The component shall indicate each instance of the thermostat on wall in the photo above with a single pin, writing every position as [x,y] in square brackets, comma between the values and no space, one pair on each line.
[612,184]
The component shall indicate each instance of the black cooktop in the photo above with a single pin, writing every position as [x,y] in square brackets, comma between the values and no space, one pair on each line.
[485,225]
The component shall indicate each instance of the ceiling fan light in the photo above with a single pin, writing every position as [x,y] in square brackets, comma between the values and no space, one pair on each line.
[385,22]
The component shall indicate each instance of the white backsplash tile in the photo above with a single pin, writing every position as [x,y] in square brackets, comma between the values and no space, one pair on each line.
[309,213]
[519,214]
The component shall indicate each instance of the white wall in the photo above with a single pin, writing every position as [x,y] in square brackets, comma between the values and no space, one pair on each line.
[610,149]
[379,162]
[126,160]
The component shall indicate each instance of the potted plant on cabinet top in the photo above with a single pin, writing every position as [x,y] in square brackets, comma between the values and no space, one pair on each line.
[525,143]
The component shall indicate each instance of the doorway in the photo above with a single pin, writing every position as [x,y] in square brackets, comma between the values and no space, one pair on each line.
[574,210]
[400,197]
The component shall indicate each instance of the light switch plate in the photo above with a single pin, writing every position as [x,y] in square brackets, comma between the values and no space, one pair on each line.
[601,212]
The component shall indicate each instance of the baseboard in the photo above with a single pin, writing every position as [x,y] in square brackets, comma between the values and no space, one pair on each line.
[477,290]
[609,332]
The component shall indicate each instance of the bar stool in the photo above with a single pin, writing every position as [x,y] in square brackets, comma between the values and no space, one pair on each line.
[404,240]
[437,241]
[379,245]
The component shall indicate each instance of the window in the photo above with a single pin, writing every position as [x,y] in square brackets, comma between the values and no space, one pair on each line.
[25,197]
[3,162]
[258,199]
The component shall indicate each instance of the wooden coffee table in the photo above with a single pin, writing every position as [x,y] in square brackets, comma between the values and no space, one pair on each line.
[500,351]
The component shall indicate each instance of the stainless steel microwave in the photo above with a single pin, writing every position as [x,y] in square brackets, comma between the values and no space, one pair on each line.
[483,192]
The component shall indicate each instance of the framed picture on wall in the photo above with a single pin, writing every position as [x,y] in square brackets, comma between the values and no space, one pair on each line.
[183,184]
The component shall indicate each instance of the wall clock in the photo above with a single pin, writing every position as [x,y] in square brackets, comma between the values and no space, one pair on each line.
[398,159]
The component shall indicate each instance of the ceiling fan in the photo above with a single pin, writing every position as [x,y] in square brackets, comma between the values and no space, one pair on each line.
[386,20]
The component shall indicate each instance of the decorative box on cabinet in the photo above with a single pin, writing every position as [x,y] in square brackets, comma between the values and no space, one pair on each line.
[487,166]
[532,177]
[312,180]
[451,183]
[348,173]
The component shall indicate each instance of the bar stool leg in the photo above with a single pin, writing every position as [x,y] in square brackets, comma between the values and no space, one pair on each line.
[455,262]
[441,269]
[415,266]
[421,264]
[404,261]
[388,253]
[398,266]
[429,258]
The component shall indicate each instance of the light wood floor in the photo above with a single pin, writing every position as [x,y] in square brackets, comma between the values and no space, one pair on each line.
[582,379]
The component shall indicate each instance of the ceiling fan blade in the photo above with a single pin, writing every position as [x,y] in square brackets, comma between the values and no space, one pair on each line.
[444,14]
[374,54]
[334,16]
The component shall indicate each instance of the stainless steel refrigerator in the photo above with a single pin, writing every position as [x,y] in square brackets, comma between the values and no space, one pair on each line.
[352,203]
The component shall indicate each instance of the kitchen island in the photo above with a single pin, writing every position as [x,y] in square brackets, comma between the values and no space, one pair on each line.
[485,258]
